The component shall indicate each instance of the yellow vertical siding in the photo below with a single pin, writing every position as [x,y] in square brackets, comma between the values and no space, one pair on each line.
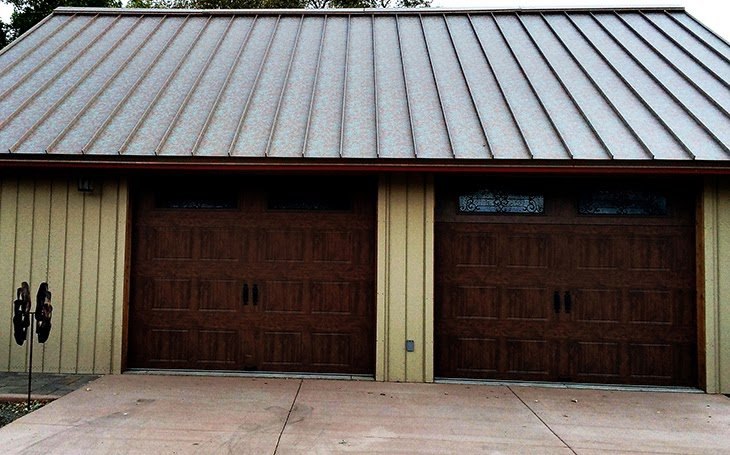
[405,278]
[716,222]
[51,232]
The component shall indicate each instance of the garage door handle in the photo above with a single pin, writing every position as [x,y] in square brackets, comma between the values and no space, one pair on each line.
[556,301]
[568,302]
[255,294]
[245,294]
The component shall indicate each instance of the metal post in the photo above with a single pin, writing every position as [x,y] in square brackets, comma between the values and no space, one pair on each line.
[30,363]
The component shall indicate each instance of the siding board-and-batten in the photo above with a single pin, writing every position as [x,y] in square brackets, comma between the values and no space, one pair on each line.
[49,231]
[716,241]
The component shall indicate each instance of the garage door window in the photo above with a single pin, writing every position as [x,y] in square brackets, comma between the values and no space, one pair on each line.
[623,202]
[498,201]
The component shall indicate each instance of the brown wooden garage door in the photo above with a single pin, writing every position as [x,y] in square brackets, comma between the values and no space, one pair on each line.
[266,274]
[582,281]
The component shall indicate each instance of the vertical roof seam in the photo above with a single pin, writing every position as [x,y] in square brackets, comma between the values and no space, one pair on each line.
[133,88]
[697,37]
[565,88]
[375,88]
[191,90]
[51,79]
[76,84]
[244,112]
[314,87]
[405,84]
[344,85]
[501,88]
[222,88]
[721,38]
[532,87]
[490,152]
[163,88]
[436,85]
[285,84]
[101,89]
[36,46]
[48,57]
[676,69]
[686,52]
[653,77]
[631,88]
[603,94]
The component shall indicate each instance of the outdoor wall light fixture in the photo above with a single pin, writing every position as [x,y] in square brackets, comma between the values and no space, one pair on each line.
[86,185]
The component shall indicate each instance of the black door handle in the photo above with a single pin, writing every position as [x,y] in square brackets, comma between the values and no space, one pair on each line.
[255,294]
[568,302]
[556,301]
[245,294]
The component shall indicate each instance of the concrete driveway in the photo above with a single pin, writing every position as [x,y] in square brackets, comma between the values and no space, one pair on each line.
[189,414]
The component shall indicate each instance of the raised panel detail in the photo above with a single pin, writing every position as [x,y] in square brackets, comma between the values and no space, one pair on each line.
[282,348]
[331,349]
[651,307]
[475,302]
[172,243]
[527,251]
[217,346]
[219,295]
[527,303]
[476,354]
[475,250]
[597,253]
[528,356]
[169,346]
[332,297]
[651,253]
[597,305]
[170,294]
[284,246]
[283,297]
[333,246]
[651,360]
[596,359]
[220,244]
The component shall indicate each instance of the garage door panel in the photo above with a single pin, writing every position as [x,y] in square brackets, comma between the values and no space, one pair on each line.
[312,270]
[604,296]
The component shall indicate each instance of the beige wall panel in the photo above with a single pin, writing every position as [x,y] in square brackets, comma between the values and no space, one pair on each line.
[716,213]
[90,262]
[51,232]
[39,256]
[56,271]
[8,206]
[105,282]
[69,337]
[120,278]
[405,278]
[23,259]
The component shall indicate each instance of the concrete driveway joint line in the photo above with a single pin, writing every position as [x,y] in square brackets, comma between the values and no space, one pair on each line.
[286,422]
[541,420]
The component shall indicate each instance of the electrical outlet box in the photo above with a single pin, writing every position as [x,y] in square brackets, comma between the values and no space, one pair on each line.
[410,346]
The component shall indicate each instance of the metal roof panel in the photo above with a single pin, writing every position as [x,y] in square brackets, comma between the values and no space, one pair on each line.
[556,84]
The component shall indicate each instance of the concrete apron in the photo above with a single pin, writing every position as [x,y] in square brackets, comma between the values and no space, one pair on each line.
[198,414]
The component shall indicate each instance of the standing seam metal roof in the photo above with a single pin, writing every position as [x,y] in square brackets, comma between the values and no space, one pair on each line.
[589,84]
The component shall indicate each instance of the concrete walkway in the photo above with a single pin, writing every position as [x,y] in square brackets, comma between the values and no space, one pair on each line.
[189,414]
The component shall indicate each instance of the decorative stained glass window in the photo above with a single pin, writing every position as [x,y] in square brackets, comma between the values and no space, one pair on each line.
[502,201]
[623,202]
[202,200]
[309,201]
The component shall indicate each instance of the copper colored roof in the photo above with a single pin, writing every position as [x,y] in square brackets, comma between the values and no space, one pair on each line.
[588,84]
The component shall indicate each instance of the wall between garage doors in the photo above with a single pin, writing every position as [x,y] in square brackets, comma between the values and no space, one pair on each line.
[716,221]
[405,278]
[49,231]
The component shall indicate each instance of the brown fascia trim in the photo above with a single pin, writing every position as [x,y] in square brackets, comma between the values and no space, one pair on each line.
[335,165]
